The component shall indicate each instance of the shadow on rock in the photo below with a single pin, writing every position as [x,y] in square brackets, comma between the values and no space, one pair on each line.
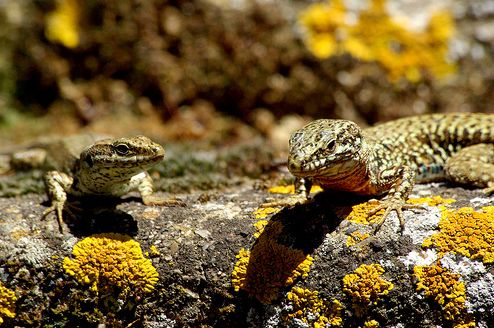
[92,215]
[282,252]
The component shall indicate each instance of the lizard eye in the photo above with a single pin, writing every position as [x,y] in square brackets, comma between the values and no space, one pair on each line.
[331,145]
[88,160]
[122,149]
[295,137]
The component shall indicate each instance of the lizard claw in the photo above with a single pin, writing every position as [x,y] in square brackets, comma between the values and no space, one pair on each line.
[388,205]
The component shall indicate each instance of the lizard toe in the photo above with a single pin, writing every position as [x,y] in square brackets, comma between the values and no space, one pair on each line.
[389,205]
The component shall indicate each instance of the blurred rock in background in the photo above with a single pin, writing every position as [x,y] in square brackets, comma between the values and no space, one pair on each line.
[362,60]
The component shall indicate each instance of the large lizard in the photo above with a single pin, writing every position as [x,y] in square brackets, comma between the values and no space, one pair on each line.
[389,158]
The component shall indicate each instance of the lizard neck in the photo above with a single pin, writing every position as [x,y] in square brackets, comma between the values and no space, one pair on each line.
[354,175]
[106,181]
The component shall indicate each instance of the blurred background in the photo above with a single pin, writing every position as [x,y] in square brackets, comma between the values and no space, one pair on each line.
[223,71]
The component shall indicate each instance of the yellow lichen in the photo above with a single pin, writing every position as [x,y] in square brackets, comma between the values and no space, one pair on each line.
[111,260]
[371,324]
[360,213]
[264,212]
[62,24]
[269,266]
[260,225]
[466,232]
[356,237]
[154,251]
[446,289]
[312,310]
[323,21]
[366,286]
[7,303]
[290,189]
[431,201]
[377,37]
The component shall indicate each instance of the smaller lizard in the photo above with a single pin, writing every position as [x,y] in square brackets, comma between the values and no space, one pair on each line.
[107,167]
[389,158]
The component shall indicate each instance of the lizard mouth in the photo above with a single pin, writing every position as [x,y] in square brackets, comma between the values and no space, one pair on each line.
[307,168]
[321,167]
[131,161]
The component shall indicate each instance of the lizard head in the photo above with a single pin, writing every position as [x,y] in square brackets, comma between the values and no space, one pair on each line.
[131,154]
[324,147]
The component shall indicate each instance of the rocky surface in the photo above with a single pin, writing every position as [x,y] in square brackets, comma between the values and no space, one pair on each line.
[224,261]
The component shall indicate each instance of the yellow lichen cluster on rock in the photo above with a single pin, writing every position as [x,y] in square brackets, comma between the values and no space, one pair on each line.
[62,24]
[432,201]
[356,237]
[378,37]
[111,260]
[371,324]
[264,212]
[360,213]
[308,307]
[7,303]
[467,232]
[366,286]
[269,266]
[261,214]
[447,290]
[290,189]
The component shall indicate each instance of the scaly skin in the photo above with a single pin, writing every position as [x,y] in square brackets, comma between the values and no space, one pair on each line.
[389,158]
[109,167]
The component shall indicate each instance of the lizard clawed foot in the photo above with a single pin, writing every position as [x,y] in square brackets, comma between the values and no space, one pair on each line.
[58,209]
[289,201]
[388,205]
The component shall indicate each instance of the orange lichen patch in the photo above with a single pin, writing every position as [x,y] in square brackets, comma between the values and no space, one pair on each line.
[111,260]
[62,24]
[356,237]
[269,266]
[446,289]
[366,286]
[377,37]
[264,212]
[360,213]
[466,232]
[290,189]
[7,303]
[312,310]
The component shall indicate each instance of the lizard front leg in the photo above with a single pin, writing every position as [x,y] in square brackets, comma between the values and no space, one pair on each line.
[57,184]
[404,179]
[145,188]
